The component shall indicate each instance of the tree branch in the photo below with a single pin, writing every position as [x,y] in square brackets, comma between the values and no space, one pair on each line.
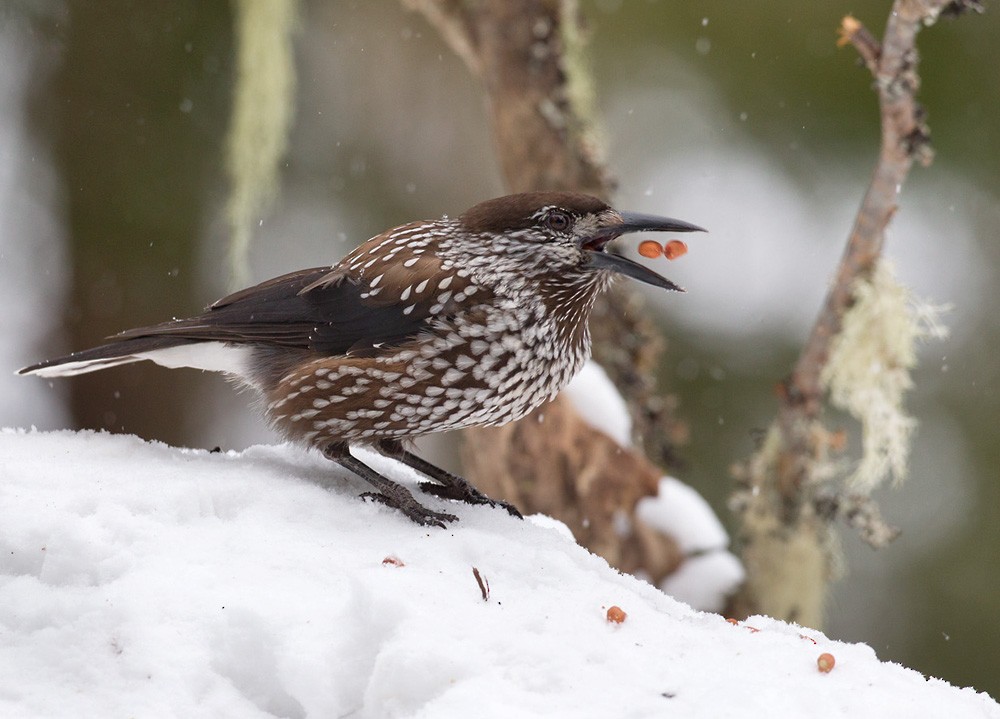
[520,49]
[528,54]
[786,530]
[905,138]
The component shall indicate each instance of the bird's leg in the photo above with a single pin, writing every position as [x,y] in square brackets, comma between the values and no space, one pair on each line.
[449,486]
[388,492]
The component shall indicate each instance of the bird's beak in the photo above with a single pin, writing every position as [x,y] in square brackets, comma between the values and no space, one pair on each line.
[598,258]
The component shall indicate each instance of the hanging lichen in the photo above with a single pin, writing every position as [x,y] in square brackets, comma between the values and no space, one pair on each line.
[263,107]
[868,372]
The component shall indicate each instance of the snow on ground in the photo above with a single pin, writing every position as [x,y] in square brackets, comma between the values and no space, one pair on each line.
[141,580]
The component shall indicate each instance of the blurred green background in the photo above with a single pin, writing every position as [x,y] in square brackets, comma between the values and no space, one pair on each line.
[742,117]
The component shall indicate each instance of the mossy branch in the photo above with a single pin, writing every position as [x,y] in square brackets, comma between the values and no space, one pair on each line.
[784,503]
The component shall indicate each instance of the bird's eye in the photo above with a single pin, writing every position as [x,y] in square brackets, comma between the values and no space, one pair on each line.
[558,220]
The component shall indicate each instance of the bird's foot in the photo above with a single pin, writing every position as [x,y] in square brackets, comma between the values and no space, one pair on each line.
[412,509]
[465,492]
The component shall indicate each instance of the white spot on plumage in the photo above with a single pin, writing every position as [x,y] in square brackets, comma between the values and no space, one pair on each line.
[478,347]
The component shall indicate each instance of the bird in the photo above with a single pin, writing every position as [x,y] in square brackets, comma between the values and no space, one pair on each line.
[432,326]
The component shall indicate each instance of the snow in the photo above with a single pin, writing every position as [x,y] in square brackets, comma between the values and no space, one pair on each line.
[679,511]
[709,574]
[141,580]
[599,404]
[705,581]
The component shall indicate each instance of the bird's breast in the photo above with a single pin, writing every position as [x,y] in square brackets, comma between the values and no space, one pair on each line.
[486,367]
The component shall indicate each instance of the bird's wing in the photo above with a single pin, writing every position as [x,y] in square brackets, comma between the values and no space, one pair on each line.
[352,308]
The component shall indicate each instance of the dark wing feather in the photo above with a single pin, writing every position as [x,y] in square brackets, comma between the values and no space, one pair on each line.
[329,317]
[363,304]
[384,293]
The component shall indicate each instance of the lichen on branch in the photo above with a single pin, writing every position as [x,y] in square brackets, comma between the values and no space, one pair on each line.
[859,353]
[868,371]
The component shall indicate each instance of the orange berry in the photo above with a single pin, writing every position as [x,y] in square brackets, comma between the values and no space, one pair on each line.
[826,662]
[616,615]
[650,248]
[674,249]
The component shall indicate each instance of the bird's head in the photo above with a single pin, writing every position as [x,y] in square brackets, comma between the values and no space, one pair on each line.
[562,234]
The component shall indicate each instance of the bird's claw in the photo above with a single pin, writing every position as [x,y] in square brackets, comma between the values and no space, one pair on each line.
[413,510]
[468,494]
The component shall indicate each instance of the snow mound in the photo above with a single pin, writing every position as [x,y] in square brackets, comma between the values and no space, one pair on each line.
[709,574]
[598,402]
[141,580]
[680,512]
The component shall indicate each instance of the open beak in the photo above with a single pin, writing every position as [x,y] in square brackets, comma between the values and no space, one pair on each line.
[598,258]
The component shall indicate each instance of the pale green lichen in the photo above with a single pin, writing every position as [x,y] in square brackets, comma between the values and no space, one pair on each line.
[263,107]
[868,372]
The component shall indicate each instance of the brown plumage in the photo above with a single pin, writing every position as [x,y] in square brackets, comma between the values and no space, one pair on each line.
[428,327]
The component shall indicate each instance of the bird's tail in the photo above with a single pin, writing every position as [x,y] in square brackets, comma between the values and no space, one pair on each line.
[166,350]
